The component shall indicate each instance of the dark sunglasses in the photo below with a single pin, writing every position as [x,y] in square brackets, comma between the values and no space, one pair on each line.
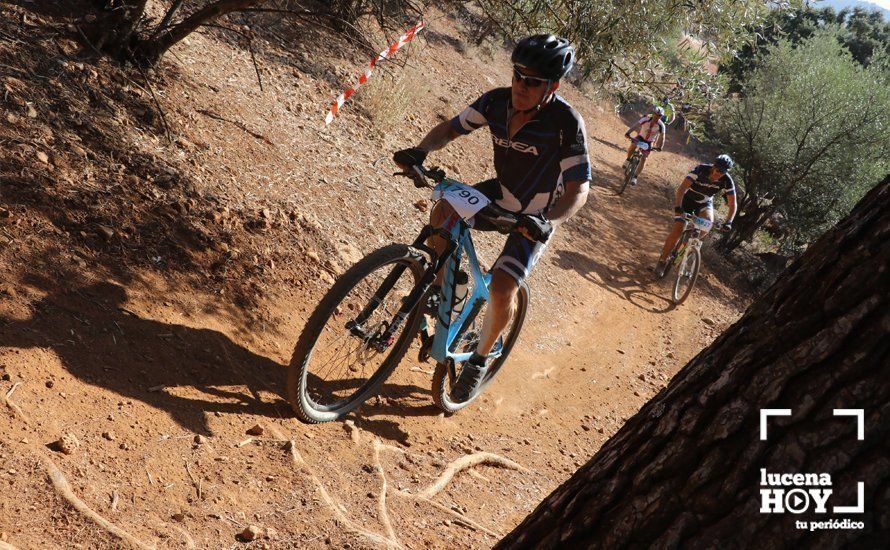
[530,81]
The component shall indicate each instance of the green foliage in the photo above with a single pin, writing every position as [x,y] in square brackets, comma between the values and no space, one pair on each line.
[865,33]
[809,135]
[622,41]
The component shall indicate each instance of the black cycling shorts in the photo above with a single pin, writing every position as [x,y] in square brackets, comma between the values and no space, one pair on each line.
[695,204]
[519,254]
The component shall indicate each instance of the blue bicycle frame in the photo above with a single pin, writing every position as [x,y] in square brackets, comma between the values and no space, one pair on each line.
[447,330]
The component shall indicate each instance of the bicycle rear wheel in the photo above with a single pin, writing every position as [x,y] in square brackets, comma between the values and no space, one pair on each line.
[687,273]
[336,366]
[444,376]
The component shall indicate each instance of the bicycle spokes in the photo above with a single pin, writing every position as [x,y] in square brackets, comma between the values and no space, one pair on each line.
[358,337]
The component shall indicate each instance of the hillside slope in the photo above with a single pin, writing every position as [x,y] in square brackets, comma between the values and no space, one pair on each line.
[151,292]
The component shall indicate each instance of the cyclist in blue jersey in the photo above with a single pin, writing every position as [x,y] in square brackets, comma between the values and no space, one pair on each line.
[696,196]
[542,167]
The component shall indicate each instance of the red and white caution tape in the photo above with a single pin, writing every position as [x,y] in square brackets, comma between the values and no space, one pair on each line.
[404,39]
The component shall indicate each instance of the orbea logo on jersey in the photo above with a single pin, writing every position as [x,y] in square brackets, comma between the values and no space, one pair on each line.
[810,492]
[518,145]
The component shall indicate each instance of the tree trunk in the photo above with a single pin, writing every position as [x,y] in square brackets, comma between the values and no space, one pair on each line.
[750,218]
[685,471]
[114,33]
[151,50]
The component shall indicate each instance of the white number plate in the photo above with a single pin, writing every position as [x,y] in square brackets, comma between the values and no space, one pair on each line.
[643,146]
[465,200]
[702,223]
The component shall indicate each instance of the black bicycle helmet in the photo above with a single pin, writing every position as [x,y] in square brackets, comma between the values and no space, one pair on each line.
[723,163]
[550,56]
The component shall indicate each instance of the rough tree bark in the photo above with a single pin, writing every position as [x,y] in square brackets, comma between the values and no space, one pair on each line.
[124,32]
[685,471]
[153,49]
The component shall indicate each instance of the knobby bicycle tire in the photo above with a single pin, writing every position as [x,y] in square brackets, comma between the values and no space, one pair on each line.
[628,174]
[299,368]
[693,255]
[442,381]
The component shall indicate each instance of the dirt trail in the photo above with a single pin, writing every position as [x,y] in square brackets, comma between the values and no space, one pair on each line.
[160,379]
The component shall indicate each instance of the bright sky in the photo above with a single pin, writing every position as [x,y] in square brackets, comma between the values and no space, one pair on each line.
[883,3]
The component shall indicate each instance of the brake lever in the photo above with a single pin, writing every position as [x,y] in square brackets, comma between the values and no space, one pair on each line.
[417,177]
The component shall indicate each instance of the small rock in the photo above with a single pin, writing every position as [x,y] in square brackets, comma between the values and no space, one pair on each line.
[270,478]
[5,377]
[621,351]
[42,157]
[178,516]
[67,444]
[708,321]
[50,383]
[271,533]
[250,533]
[124,447]
[642,377]
[200,439]
[670,355]
[585,427]
[105,232]
[256,430]
[11,118]
[421,205]
[108,435]
[32,112]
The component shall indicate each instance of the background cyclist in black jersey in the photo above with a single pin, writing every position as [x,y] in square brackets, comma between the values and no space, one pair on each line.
[540,157]
[696,196]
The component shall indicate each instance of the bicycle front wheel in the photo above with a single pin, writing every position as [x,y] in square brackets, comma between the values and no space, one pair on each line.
[687,273]
[444,376]
[628,174]
[340,359]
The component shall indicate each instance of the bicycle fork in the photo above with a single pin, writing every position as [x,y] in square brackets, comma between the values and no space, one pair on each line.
[387,337]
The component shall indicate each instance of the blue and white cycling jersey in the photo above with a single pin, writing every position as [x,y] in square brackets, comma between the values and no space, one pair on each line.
[546,152]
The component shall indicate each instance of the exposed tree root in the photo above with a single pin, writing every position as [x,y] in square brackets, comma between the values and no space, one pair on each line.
[391,539]
[477,475]
[64,489]
[381,502]
[463,463]
[354,432]
[15,408]
[336,507]
[454,513]
[446,476]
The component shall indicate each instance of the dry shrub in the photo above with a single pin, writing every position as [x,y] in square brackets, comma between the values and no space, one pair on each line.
[389,96]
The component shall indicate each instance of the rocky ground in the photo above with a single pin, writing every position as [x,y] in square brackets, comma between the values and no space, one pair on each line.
[152,289]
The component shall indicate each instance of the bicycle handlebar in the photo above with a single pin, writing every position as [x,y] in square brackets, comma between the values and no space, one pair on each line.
[503,220]
[718,226]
